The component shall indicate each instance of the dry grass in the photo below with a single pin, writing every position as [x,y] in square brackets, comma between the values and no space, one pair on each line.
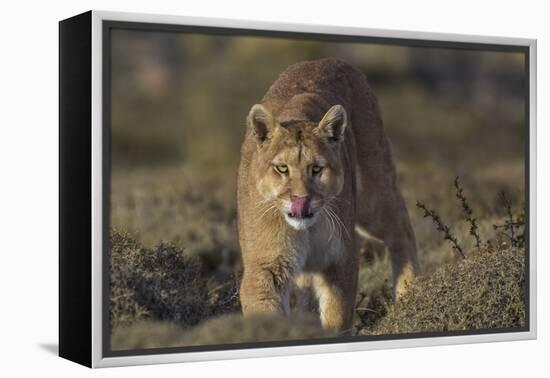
[227,329]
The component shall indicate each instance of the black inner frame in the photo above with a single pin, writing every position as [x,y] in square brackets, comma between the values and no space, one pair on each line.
[107,26]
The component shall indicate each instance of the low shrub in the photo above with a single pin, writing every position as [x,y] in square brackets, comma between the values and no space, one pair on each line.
[161,283]
[486,290]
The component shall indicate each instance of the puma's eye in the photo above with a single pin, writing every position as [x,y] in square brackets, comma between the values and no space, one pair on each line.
[281,168]
[316,169]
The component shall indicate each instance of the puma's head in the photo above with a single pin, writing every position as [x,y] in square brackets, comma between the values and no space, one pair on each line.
[299,170]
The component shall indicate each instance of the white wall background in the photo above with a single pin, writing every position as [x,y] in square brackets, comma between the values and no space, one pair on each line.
[28,197]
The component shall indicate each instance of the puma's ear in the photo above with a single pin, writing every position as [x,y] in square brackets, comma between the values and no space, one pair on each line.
[261,122]
[333,124]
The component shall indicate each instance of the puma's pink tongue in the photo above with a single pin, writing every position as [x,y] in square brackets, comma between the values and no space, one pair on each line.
[300,206]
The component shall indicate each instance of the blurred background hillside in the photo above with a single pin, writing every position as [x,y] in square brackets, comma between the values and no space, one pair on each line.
[178,97]
[179,102]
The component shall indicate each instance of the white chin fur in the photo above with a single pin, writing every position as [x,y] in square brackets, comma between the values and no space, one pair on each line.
[300,223]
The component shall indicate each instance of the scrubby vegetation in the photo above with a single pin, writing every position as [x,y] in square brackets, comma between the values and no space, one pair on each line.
[168,296]
[485,290]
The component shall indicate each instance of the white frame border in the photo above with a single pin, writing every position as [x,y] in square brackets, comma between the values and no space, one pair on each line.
[97,184]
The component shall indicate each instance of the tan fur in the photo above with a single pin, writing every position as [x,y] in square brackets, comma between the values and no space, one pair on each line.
[299,124]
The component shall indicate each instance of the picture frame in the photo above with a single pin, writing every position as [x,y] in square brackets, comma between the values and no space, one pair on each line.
[85,109]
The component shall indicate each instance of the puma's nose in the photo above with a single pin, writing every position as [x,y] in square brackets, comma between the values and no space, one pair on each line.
[300,207]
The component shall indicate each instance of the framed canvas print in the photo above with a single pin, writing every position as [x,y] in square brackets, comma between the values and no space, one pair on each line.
[233,189]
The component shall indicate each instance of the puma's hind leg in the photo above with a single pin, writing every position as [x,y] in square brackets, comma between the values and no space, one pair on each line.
[383,214]
[336,289]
